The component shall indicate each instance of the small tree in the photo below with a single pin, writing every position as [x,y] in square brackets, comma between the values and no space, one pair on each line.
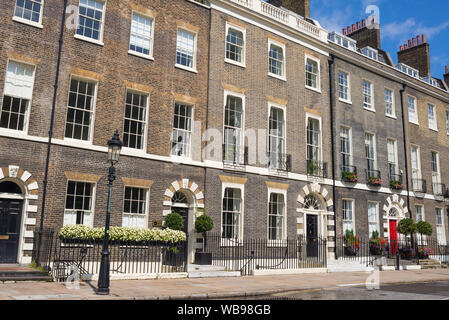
[203,224]
[406,227]
[174,221]
[424,228]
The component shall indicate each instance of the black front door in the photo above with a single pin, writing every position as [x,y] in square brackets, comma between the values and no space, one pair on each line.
[184,213]
[10,219]
[312,235]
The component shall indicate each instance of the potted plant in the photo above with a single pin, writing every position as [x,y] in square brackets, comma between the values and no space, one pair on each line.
[352,243]
[396,185]
[172,255]
[375,182]
[203,224]
[377,244]
[424,253]
[349,177]
[424,228]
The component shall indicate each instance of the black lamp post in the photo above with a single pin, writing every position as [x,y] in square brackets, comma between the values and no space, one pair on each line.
[114,148]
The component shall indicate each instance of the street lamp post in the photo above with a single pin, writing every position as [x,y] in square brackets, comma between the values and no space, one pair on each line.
[114,148]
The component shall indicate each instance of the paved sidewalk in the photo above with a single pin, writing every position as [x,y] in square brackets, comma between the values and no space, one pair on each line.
[180,289]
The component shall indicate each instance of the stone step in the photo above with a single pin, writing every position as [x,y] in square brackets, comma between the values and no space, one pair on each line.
[214,274]
[26,275]
[28,278]
[197,267]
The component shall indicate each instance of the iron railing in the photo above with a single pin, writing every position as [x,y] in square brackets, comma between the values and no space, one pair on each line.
[247,255]
[396,181]
[279,161]
[419,185]
[235,155]
[63,257]
[439,189]
[349,174]
[317,168]
[374,177]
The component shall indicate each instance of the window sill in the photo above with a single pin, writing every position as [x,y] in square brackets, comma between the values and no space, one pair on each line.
[140,55]
[14,133]
[131,151]
[345,101]
[28,22]
[180,66]
[370,109]
[97,42]
[313,89]
[277,77]
[238,64]
[78,143]
[414,122]
[433,129]
[391,116]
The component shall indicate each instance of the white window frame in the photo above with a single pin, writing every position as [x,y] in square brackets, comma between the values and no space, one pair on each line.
[147,115]
[284,215]
[147,202]
[12,132]
[195,50]
[413,119]
[192,106]
[92,211]
[393,105]
[93,113]
[101,33]
[243,31]
[150,56]
[377,218]
[418,160]
[29,22]
[420,238]
[349,100]
[351,156]
[352,202]
[442,240]
[284,62]
[243,98]
[433,123]
[374,149]
[396,158]
[436,175]
[318,81]
[241,187]
[308,115]
[372,104]
[447,122]
[284,111]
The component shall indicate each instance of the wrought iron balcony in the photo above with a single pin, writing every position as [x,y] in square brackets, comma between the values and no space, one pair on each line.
[349,174]
[374,178]
[235,155]
[439,189]
[279,161]
[317,169]
[419,185]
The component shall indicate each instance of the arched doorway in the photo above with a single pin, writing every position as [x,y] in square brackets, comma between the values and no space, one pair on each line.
[181,205]
[11,211]
[313,210]
[394,211]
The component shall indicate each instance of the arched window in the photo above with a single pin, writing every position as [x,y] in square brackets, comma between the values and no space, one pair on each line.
[393,213]
[10,187]
[179,197]
[311,202]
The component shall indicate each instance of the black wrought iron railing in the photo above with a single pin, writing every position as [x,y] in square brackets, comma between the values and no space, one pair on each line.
[64,258]
[247,255]
[317,169]
[439,189]
[279,161]
[349,174]
[396,182]
[235,155]
[419,185]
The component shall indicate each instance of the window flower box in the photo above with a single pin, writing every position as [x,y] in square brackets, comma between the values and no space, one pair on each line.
[349,177]
[396,185]
[374,182]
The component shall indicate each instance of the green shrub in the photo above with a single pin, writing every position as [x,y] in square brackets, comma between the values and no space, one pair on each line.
[424,228]
[204,224]
[174,221]
[406,227]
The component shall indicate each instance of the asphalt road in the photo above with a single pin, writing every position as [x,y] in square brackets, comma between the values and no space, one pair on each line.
[416,291]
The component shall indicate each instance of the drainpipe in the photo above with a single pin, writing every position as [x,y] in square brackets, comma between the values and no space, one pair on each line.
[331,105]
[404,133]
[50,133]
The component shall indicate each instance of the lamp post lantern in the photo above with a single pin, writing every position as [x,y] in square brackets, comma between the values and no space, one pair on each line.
[114,148]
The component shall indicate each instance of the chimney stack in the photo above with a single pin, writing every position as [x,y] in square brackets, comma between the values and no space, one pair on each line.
[301,7]
[446,76]
[416,55]
[366,34]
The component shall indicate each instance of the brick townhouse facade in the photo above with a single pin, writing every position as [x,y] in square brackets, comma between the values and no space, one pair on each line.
[292,113]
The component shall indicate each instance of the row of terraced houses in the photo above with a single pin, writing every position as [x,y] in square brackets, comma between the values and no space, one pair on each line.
[247,110]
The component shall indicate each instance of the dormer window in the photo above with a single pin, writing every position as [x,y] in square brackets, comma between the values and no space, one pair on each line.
[343,41]
[371,53]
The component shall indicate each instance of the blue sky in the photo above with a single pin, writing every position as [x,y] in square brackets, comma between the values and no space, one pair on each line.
[400,20]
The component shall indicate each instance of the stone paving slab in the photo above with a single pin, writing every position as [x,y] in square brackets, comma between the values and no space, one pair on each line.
[215,288]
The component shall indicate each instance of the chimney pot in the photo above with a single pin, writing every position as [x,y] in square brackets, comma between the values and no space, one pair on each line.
[353,27]
[418,39]
[363,23]
[358,25]
[401,48]
[344,31]
[374,18]
[447,70]
[349,30]
[423,38]
[414,42]
[405,47]
[410,43]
